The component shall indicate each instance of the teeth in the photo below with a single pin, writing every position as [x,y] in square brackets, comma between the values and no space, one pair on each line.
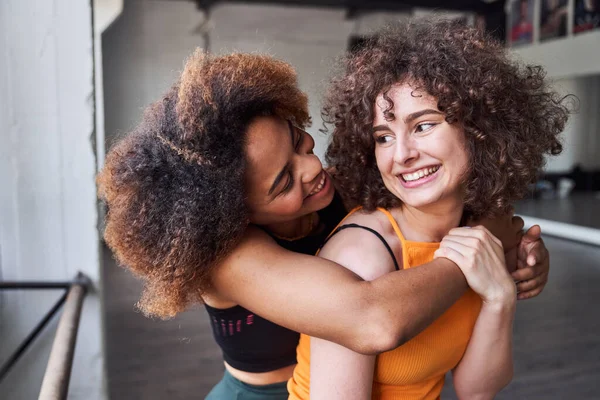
[419,174]
[319,186]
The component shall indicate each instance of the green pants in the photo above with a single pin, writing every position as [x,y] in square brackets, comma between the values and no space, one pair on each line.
[230,388]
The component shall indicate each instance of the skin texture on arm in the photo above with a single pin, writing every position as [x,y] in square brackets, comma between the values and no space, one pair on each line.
[337,372]
[487,365]
[322,299]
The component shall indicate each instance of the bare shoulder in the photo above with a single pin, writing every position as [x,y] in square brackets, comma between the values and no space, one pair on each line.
[362,251]
[256,248]
[255,242]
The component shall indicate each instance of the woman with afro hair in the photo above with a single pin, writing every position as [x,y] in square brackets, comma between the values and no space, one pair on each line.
[217,198]
[434,126]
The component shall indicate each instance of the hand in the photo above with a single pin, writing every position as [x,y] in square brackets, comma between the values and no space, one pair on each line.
[480,256]
[533,264]
[507,228]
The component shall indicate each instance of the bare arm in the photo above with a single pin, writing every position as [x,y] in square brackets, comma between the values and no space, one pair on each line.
[487,364]
[322,299]
[337,372]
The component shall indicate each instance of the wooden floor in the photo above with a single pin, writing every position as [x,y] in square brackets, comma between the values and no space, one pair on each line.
[557,339]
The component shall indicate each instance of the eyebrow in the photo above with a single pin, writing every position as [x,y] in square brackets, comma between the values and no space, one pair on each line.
[415,115]
[380,128]
[409,118]
[286,167]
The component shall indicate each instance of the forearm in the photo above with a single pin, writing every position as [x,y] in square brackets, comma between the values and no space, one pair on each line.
[487,365]
[323,299]
[367,317]
[405,302]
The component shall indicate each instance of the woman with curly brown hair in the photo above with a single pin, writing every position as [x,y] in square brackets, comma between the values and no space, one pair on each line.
[217,198]
[433,126]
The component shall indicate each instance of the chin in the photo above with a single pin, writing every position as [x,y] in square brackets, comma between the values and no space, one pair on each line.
[421,201]
[324,202]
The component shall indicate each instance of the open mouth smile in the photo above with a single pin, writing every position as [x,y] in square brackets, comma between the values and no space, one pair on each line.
[420,174]
[320,185]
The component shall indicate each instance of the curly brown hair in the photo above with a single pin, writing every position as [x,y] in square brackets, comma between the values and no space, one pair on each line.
[175,185]
[511,118]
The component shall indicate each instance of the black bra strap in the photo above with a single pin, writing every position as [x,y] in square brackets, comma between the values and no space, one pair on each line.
[373,231]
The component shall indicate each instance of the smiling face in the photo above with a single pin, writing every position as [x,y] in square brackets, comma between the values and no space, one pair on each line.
[422,159]
[285,180]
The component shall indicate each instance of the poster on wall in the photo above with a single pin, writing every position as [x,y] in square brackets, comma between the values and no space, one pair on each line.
[586,15]
[553,21]
[521,22]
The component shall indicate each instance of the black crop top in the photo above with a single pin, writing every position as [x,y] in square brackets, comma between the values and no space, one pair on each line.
[253,344]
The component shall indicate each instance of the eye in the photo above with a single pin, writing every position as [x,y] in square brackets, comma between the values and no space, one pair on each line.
[383,139]
[424,127]
[289,185]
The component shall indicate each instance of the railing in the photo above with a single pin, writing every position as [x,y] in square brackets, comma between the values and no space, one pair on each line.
[55,384]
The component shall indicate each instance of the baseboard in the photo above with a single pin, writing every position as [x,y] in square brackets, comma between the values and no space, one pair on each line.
[563,230]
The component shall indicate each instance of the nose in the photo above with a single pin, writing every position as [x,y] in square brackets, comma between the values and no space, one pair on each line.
[311,167]
[406,151]
[308,163]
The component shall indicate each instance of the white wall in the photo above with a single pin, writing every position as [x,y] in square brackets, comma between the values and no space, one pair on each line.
[143,52]
[574,62]
[145,49]
[569,57]
[308,39]
[47,198]
[581,135]
[105,13]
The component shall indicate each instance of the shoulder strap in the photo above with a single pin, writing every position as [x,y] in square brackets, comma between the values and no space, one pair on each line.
[405,254]
[373,231]
[392,220]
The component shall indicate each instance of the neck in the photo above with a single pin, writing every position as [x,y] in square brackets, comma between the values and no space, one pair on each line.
[430,223]
[295,229]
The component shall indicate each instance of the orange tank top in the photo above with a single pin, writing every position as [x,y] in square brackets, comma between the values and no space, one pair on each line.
[416,369]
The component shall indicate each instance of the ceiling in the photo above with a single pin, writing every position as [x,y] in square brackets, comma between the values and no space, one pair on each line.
[491,10]
[358,6]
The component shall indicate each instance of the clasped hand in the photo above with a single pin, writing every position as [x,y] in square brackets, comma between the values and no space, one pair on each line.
[480,256]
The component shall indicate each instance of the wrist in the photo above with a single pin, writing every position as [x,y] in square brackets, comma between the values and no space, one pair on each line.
[504,302]
[450,266]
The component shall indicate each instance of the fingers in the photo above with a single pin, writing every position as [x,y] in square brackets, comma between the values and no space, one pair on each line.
[458,246]
[466,243]
[536,283]
[533,234]
[529,294]
[532,252]
[537,254]
[480,232]
[451,254]
[525,274]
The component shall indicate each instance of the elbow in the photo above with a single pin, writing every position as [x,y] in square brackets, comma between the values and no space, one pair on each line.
[382,333]
[489,394]
[377,339]
[505,379]
[510,373]
[478,396]
[374,329]
[391,335]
